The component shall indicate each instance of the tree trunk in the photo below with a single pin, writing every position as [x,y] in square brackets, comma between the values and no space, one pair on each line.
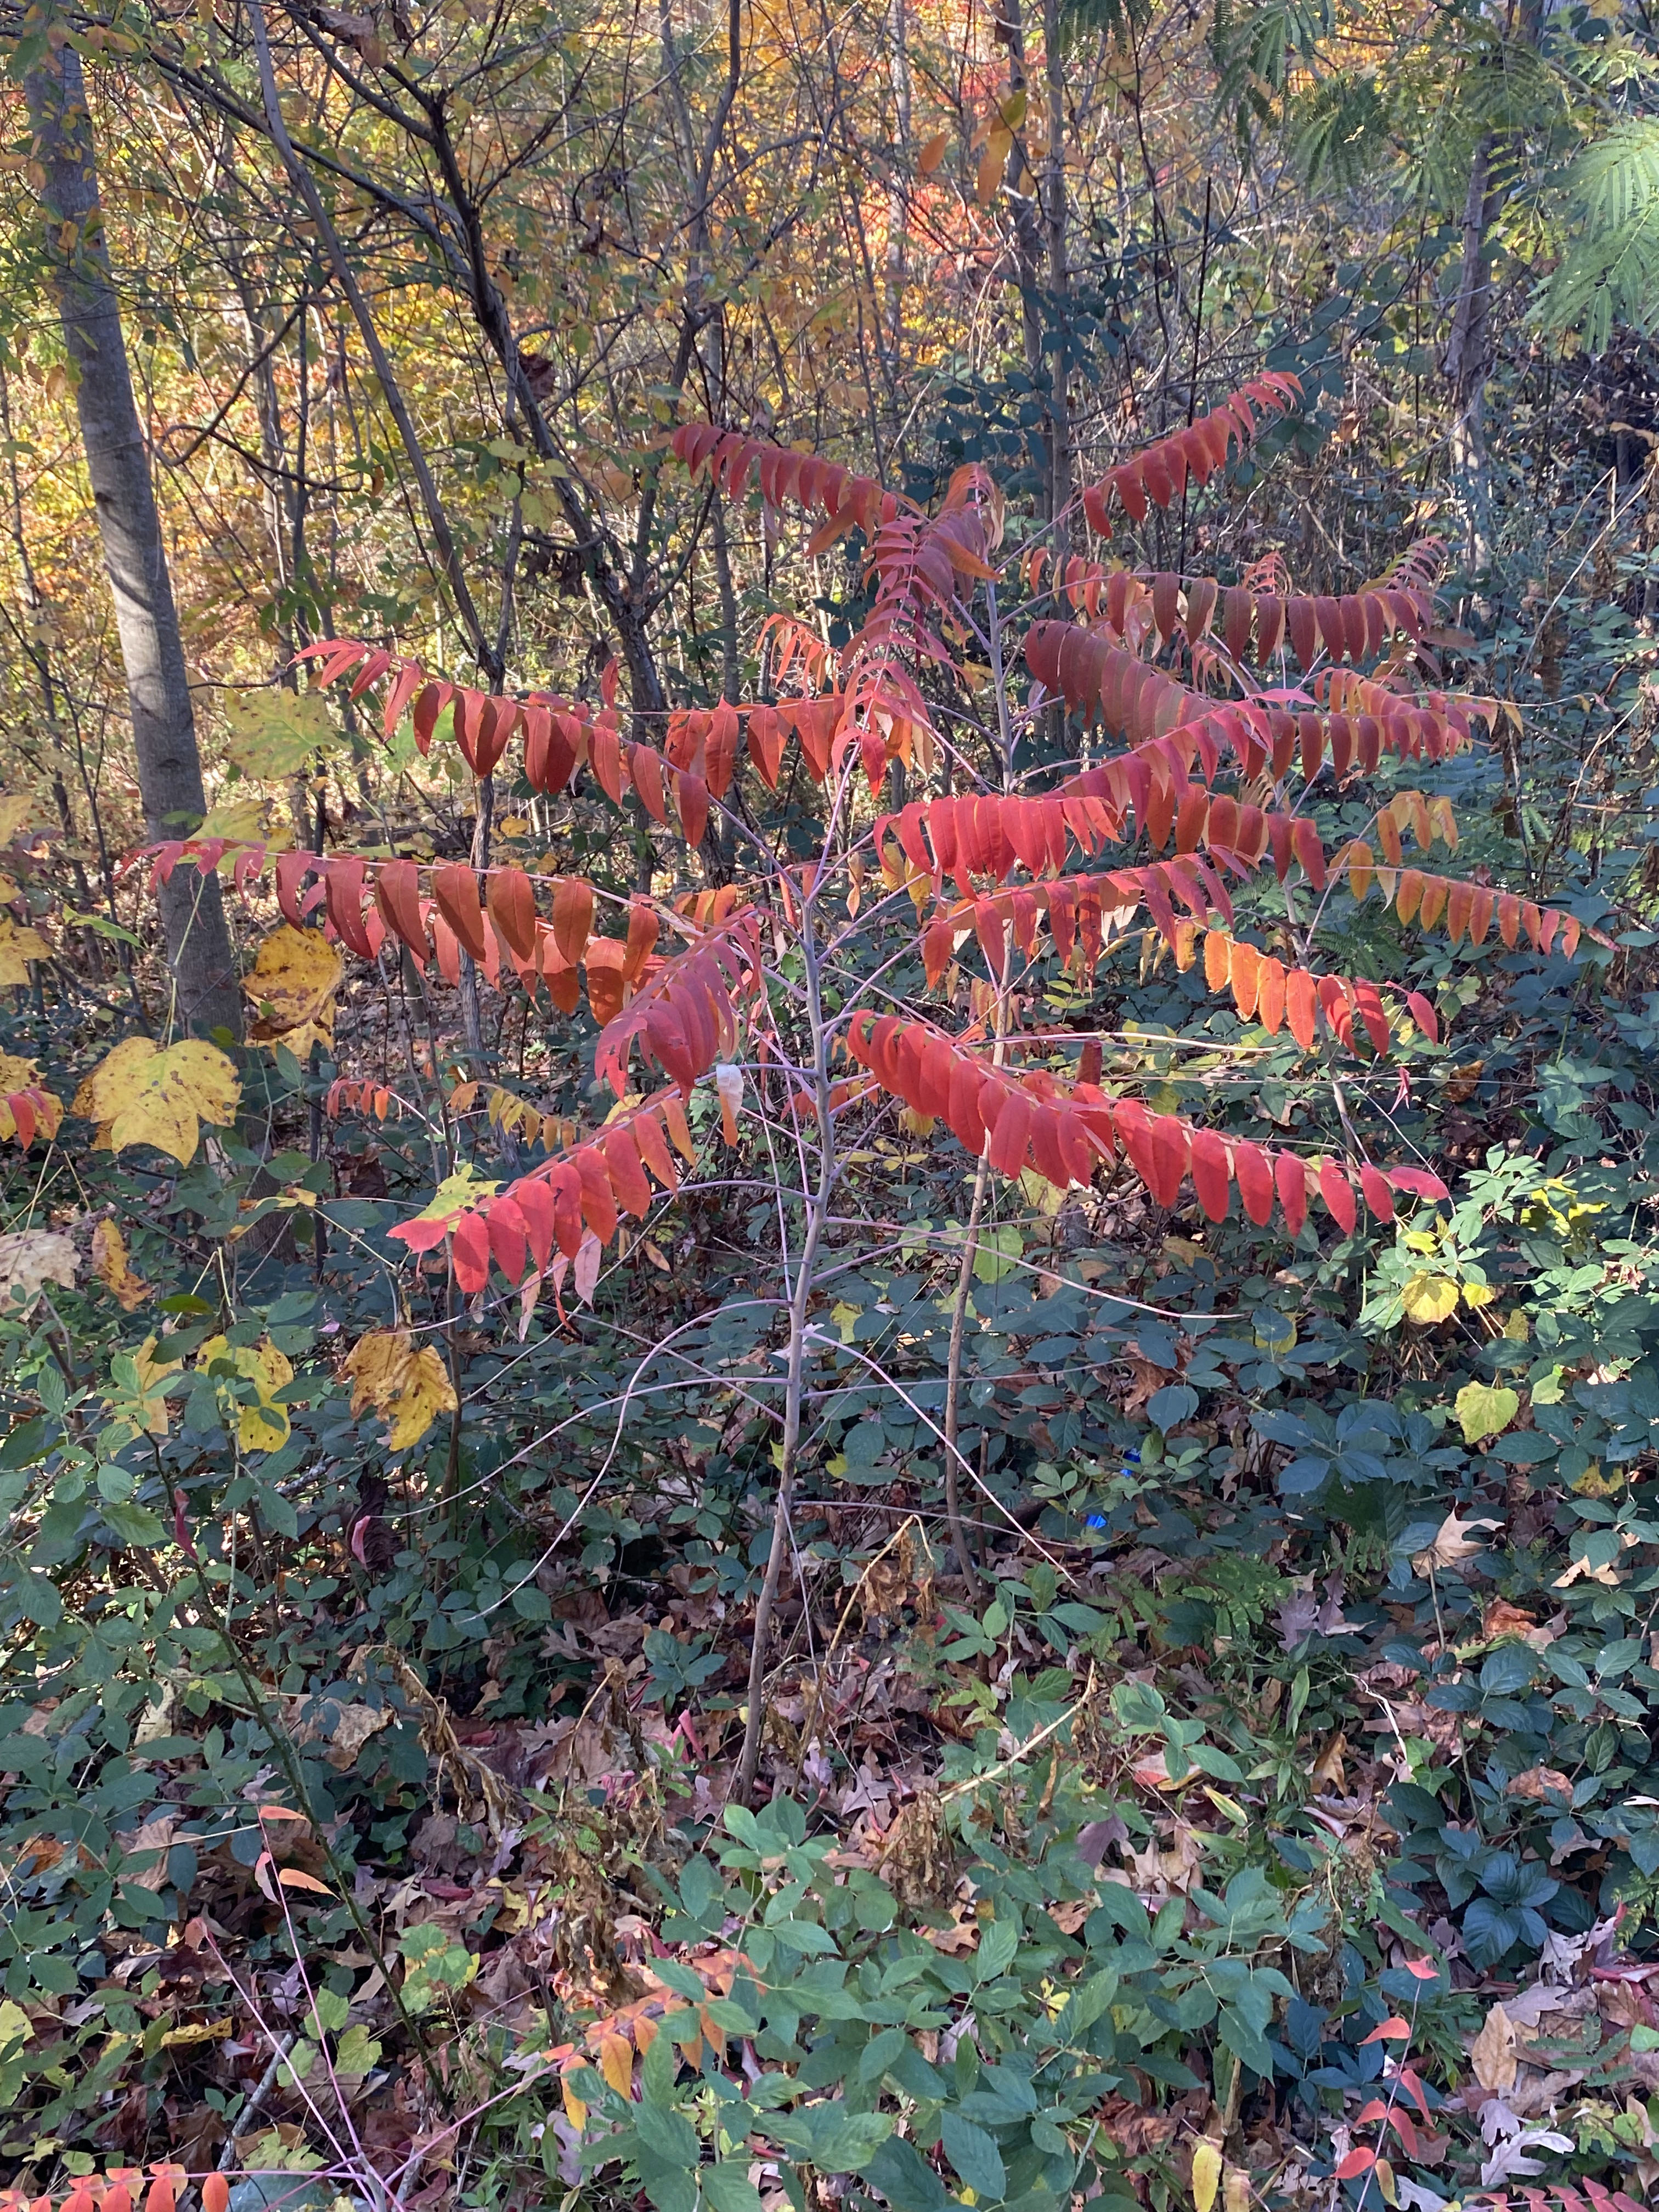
[898,62]
[163,724]
[1060,281]
[1469,362]
[1023,194]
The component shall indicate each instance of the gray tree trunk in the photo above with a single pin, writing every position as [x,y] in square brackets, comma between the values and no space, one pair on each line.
[1469,362]
[1060,281]
[158,688]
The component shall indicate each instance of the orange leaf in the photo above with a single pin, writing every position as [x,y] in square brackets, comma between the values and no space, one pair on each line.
[513,909]
[616,2063]
[296,1878]
[933,152]
[992,164]
[1300,1001]
[456,889]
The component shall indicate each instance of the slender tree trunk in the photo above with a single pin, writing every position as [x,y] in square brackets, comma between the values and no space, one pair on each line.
[1467,361]
[163,723]
[1060,279]
[898,213]
[1024,198]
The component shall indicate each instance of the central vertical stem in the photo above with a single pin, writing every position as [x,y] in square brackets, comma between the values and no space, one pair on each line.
[817,1203]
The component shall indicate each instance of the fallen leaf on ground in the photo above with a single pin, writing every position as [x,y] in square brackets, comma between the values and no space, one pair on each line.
[29,1260]
[1453,1543]
[1492,2053]
[1539,1784]
[1206,2174]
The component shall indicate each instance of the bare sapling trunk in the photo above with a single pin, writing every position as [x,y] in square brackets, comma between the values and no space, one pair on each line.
[1468,363]
[158,687]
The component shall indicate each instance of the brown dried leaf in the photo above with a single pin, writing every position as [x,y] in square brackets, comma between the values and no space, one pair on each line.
[1492,2053]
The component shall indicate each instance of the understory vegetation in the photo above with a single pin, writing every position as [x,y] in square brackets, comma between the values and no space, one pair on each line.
[830,1297]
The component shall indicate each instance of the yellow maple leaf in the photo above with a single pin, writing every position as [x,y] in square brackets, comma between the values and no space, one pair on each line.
[140,1096]
[238,821]
[264,1425]
[273,733]
[455,1194]
[407,1388]
[293,985]
[114,1270]
[18,946]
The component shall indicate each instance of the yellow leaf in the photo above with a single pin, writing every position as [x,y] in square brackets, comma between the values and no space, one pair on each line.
[14,811]
[18,946]
[140,1096]
[111,1266]
[409,1388]
[1476,1295]
[1484,1410]
[293,985]
[1429,1298]
[575,2111]
[238,821]
[933,152]
[1274,1332]
[1206,2174]
[263,1426]
[194,2032]
[455,1194]
[1013,110]
[29,1260]
[135,1392]
[274,733]
[616,2063]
